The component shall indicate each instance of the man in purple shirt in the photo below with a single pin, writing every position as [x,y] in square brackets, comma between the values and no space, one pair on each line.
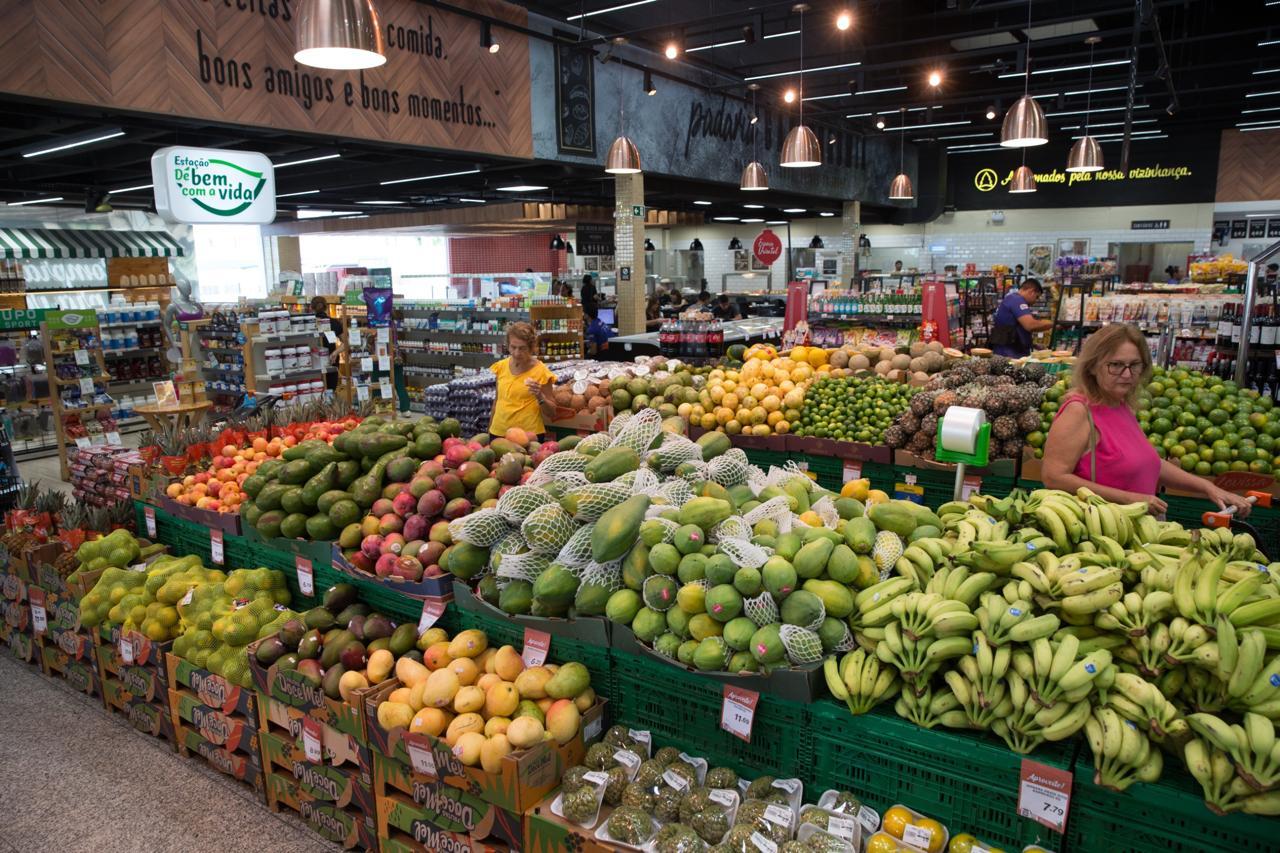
[1014,321]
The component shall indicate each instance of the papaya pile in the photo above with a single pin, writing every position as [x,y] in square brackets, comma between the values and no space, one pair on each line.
[712,562]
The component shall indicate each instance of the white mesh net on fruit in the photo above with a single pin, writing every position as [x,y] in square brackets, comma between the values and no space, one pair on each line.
[595,499]
[777,476]
[577,551]
[846,642]
[669,527]
[519,501]
[570,479]
[677,492]
[607,575]
[616,425]
[756,479]
[628,479]
[658,593]
[695,471]
[745,555]
[816,623]
[826,511]
[523,566]
[674,451]
[482,528]
[548,528]
[729,468]
[732,527]
[646,482]
[762,609]
[640,431]
[774,509]
[565,460]
[803,646]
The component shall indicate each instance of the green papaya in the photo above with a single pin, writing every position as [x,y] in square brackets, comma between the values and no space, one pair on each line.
[713,444]
[636,566]
[837,600]
[811,560]
[899,516]
[842,565]
[617,530]
[860,534]
[611,464]
[706,512]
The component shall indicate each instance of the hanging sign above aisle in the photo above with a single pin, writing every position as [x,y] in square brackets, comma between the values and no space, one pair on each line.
[767,247]
[213,186]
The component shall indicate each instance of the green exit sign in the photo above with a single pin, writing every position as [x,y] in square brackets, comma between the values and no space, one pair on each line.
[637,210]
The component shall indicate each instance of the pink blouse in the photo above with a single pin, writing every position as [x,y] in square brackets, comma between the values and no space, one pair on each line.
[1126,460]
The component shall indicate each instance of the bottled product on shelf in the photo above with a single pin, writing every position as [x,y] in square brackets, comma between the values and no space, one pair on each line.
[12,279]
[691,339]
[841,303]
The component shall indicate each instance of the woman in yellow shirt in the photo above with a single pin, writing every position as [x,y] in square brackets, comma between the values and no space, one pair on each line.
[524,397]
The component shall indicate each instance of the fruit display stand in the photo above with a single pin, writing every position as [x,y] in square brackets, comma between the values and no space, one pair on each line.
[217,721]
[135,681]
[68,650]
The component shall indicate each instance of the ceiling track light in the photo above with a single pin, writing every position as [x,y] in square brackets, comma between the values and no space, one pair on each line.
[880,124]
[341,35]
[674,47]
[649,88]
[935,78]
[991,112]
[568,247]
[1086,153]
[748,34]
[1025,124]
[486,38]
[789,96]
[648,245]
[844,20]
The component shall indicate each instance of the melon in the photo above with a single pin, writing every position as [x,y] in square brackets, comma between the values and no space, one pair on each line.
[900,362]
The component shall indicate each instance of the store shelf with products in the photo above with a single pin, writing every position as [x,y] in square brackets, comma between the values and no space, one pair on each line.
[81,405]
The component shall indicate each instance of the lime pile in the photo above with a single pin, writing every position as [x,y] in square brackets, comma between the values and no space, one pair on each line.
[852,408]
[1206,424]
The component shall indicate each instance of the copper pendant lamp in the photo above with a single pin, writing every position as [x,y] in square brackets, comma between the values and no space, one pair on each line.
[342,35]
[800,150]
[1025,124]
[1086,154]
[1024,180]
[900,189]
[754,177]
[624,157]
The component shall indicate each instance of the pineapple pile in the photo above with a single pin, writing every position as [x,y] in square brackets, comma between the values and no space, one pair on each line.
[1008,392]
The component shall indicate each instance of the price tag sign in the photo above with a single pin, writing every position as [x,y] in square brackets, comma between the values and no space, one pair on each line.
[215,546]
[868,818]
[306,580]
[385,391]
[186,599]
[384,362]
[311,740]
[331,337]
[113,438]
[842,827]
[420,757]
[150,515]
[384,335]
[126,649]
[86,385]
[432,610]
[917,836]
[1044,794]
[83,442]
[738,711]
[39,619]
[362,393]
[536,646]
[852,470]
[82,357]
[971,486]
[366,364]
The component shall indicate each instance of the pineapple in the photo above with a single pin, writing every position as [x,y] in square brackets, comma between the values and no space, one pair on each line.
[1000,365]
[1029,421]
[922,404]
[929,425]
[1011,448]
[895,436]
[1004,428]
[909,422]
[979,366]
[944,401]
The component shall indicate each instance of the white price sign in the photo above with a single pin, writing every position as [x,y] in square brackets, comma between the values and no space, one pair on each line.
[82,358]
[536,646]
[150,514]
[738,711]
[420,757]
[113,438]
[39,619]
[432,610]
[366,364]
[215,546]
[306,580]
[362,393]
[86,385]
[83,442]
[126,649]
[384,335]
[311,740]
[971,486]
[385,390]
[331,337]
[852,470]
[1044,794]
[384,363]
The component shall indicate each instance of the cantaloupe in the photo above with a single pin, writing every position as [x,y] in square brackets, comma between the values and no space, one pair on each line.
[900,362]
[859,362]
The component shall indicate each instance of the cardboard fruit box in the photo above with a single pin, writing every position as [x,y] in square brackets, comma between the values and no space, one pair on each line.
[852,450]
[147,717]
[290,688]
[348,828]
[227,522]
[526,776]
[80,674]
[282,730]
[227,732]
[421,808]
[211,689]
[437,841]
[545,832]
[237,765]
[21,645]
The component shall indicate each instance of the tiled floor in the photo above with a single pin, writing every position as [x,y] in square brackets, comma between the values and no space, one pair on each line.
[75,778]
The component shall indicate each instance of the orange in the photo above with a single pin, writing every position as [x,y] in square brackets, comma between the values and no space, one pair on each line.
[259,443]
[882,843]
[937,835]
[895,821]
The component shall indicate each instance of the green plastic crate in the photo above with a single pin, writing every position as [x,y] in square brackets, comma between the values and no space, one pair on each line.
[1265,520]
[967,781]
[1167,817]
[829,472]
[764,458]
[183,537]
[683,710]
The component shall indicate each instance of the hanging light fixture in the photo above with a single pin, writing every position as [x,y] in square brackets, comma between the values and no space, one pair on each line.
[816,243]
[624,157]
[568,247]
[1025,124]
[735,244]
[648,245]
[696,245]
[801,149]
[754,177]
[1086,154]
[1024,180]
[557,244]
[900,189]
[342,35]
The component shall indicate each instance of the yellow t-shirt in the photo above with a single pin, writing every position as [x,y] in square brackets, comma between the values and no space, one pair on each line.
[515,405]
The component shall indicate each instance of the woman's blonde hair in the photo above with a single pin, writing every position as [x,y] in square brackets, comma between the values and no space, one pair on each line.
[524,332]
[1099,347]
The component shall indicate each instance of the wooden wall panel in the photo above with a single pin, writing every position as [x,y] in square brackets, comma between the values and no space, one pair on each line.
[158,56]
[1249,166]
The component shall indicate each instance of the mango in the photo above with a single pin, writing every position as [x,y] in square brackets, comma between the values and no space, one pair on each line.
[437,655]
[379,666]
[430,637]
[394,715]
[462,724]
[501,700]
[485,661]
[465,669]
[563,720]
[400,694]
[468,700]
[412,673]
[507,663]
[440,688]
[492,751]
[837,600]
[524,732]
[529,708]
[585,700]
[570,680]
[468,644]
[349,683]
[415,697]
[496,726]
[429,721]
[468,747]
[487,680]
[532,683]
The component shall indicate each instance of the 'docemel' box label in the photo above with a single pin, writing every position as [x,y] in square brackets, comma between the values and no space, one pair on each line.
[229,732]
[212,689]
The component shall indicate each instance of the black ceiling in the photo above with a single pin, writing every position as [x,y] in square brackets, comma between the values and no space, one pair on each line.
[1195,64]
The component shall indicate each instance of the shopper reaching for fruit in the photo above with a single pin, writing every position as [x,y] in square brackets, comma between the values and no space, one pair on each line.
[1095,440]
[523,397]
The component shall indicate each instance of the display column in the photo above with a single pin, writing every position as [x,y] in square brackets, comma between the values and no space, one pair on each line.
[628,233]
[850,234]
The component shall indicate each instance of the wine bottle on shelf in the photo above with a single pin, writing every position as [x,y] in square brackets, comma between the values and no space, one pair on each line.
[1224,326]
[1235,324]
[1269,327]
[1255,329]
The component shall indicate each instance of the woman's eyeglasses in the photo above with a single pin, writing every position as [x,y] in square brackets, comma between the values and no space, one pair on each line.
[1120,368]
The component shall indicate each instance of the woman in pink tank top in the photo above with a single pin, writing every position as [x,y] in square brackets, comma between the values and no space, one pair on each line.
[1095,440]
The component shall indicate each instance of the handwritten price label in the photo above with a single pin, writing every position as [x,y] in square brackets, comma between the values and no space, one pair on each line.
[306,580]
[362,393]
[738,711]
[311,740]
[852,470]
[384,363]
[126,649]
[536,646]
[366,364]
[420,757]
[432,610]
[113,438]
[86,386]
[82,357]
[150,514]
[215,546]
[1044,794]
[82,442]
[385,390]
[39,619]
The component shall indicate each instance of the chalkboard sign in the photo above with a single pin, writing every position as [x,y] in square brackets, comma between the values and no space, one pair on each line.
[1239,227]
[575,100]
[595,239]
[1273,227]
[1257,228]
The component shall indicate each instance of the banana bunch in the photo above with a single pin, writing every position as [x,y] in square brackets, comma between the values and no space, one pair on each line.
[1010,508]
[1203,691]
[999,556]
[1192,644]
[922,559]
[1122,753]
[918,659]
[1078,584]
[929,708]
[972,526]
[1026,723]
[859,680]
[1197,591]
[1220,541]
[1250,679]
[1091,638]
[1006,617]
[1055,675]
[1224,790]
[1141,702]
[978,682]
[1135,612]
[873,606]
[1253,746]
[1122,523]
[1147,653]
[1263,613]
[925,615]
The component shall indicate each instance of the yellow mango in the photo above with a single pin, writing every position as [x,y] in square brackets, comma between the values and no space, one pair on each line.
[410,672]
[394,715]
[379,666]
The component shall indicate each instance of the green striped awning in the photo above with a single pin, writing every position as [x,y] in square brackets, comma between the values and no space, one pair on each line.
[66,243]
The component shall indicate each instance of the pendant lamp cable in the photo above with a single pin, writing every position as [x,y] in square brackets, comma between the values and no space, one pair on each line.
[801,96]
[902,140]
[755,138]
[1026,72]
[1088,95]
